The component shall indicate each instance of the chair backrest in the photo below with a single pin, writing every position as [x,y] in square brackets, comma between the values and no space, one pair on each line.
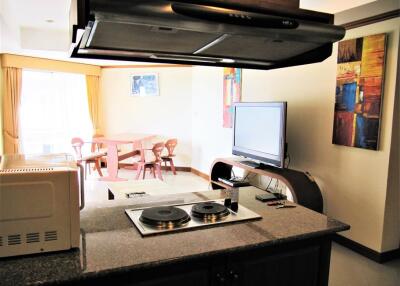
[157,150]
[170,145]
[96,146]
[77,144]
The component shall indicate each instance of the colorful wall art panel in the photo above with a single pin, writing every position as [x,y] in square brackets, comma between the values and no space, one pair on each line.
[359,92]
[232,93]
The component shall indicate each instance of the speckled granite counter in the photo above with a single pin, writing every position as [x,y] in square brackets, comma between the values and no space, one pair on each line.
[111,244]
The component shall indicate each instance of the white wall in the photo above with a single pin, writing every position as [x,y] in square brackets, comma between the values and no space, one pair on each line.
[353,181]
[210,140]
[167,115]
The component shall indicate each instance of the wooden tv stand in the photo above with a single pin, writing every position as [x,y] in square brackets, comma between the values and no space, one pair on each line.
[303,188]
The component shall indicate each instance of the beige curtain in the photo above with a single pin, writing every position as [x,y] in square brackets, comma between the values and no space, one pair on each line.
[92,85]
[11,105]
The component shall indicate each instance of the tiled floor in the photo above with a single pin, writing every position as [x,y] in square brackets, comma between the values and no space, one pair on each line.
[351,269]
[96,191]
[347,267]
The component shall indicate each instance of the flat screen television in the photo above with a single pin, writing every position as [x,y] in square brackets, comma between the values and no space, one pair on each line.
[259,132]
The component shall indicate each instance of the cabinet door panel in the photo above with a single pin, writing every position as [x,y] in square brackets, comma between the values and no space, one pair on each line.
[191,278]
[190,273]
[296,267]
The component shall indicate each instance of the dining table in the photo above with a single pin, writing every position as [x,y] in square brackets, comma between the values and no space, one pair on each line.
[138,141]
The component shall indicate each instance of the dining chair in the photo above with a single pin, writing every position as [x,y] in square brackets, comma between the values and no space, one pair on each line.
[170,145]
[94,157]
[154,165]
[99,148]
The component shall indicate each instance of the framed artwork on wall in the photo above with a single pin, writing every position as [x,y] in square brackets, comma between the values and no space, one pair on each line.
[232,93]
[359,91]
[144,84]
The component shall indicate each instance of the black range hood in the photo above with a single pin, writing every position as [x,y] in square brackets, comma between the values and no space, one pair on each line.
[210,33]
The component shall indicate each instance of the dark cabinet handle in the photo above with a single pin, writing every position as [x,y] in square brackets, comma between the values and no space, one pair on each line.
[220,279]
[234,277]
[233,274]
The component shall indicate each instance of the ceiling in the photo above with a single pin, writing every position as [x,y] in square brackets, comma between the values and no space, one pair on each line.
[41,28]
[332,6]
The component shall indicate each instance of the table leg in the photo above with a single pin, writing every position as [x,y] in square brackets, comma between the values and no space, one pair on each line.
[112,164]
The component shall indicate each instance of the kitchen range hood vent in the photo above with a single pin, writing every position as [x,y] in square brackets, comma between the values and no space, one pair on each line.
[216,33]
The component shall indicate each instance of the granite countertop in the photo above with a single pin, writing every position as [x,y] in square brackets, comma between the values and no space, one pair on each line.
[110,242]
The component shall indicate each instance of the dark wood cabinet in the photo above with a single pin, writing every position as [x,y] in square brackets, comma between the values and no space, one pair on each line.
[194,277]
[285,265]
[191,273]
[292,268]
[288,264]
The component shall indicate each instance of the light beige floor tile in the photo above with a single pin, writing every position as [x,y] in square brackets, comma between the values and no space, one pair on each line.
[351,269]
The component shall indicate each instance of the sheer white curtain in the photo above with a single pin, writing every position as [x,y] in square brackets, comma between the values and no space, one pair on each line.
[54,109]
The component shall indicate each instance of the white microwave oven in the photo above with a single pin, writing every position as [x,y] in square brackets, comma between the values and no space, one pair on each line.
[40,200]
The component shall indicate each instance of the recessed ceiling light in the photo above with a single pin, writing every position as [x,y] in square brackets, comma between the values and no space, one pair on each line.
[49,21]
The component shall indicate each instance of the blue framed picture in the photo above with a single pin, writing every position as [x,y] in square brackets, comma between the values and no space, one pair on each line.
[144,84]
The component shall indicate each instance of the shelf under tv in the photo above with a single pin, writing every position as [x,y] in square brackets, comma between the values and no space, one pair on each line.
[303,187]
[251,164]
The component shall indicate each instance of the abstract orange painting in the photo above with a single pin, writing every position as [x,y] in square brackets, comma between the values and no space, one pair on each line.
[359,91]
[232,93]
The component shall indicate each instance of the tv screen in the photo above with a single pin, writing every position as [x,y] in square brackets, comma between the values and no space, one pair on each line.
[259,132]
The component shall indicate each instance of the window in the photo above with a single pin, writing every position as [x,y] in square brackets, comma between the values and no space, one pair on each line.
[54,109]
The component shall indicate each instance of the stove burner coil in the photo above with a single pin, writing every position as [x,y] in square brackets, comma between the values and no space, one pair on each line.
[209,211]
[164,217]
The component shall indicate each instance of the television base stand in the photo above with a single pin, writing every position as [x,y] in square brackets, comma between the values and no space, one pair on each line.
[256,165]
[251,164]
[302,186]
